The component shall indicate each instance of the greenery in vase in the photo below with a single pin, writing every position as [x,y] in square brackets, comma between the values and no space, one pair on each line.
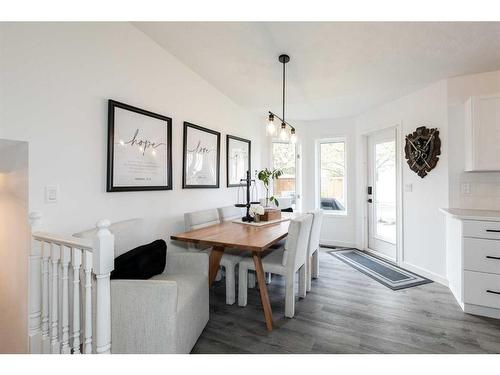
[267,176]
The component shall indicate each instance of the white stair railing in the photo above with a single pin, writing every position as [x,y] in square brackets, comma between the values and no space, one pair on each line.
[67,276]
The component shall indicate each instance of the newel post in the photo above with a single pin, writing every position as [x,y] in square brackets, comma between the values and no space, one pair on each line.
[35,287]
[103,264]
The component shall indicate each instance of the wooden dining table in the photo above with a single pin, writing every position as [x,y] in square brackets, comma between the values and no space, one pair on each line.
[242,237]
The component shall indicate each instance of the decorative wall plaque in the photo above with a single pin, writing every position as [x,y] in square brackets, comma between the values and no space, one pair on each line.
[422,149]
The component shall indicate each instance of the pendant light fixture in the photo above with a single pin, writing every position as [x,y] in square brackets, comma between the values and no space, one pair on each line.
[284,134]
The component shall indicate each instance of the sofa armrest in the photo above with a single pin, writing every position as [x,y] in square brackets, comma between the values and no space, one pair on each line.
[143,316]
[187,262]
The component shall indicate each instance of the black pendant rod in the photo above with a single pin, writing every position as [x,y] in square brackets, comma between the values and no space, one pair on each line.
[284,63]
[283,59]
[279,118]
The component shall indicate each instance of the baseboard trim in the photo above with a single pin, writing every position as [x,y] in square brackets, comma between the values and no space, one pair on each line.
[482,311]
[327,243]
[430,275]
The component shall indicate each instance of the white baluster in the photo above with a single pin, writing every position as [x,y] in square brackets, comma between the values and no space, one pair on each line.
[87,267]
[76,263]
[55,253]
[65,259]
[103,264]
[35,288]
[45,297]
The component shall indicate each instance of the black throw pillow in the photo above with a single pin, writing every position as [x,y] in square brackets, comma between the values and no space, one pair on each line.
[141,263]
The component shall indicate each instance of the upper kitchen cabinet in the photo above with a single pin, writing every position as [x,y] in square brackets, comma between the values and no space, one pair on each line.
[482,133]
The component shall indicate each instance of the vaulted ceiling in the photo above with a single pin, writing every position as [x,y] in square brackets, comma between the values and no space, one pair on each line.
[337,69]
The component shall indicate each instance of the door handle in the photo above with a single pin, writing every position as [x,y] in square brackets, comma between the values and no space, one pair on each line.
[370,200]
[492,291]
[491,257]
[493,230]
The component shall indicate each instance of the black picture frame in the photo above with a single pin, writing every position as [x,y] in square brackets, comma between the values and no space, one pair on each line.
[185,185]
[249,167]
[110,187]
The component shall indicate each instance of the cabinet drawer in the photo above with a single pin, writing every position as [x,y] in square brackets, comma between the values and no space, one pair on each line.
[482,229]
[482,255]
[482,289]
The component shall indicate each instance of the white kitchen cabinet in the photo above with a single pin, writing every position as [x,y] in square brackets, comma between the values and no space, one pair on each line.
[482,133]
[473,259]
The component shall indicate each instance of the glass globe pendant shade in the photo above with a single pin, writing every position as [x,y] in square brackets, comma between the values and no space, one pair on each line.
[293,137]
[271,128]
[283,133]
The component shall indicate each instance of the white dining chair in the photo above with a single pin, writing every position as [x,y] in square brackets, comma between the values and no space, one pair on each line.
[286,262]
[229,261]
[229,213]
[313,254]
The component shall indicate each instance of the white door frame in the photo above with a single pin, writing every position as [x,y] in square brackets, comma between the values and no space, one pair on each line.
[399,191]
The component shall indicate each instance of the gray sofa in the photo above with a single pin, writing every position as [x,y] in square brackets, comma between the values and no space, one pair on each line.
[165,314]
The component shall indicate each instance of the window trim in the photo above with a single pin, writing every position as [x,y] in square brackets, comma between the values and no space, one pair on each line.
[317,172]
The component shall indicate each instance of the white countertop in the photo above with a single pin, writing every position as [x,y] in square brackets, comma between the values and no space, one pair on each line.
[468,214]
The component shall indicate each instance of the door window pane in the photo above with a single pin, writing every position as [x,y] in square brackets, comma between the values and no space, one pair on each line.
[385,190]
[284,158]
[332,176]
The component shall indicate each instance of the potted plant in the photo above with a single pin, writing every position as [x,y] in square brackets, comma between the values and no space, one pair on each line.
[267,176]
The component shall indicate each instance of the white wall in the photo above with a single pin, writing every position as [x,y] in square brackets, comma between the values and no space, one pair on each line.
[484,186]
[55,80]
[14,245]
[337,230]
[423,225]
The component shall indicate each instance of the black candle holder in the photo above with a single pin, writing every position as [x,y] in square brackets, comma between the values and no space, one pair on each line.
[248,181]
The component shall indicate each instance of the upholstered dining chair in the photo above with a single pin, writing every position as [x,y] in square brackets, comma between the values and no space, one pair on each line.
[286,262]
[232,213]
[229,261]
[313,254]
[229,213]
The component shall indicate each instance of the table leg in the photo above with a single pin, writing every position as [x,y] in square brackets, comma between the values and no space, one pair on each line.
[264,296]
[213,263]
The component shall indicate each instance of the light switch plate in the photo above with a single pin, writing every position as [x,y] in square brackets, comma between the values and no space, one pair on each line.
[408,188]
[51,194]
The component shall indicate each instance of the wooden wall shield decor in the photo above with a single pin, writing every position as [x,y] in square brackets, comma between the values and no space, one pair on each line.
[422,149]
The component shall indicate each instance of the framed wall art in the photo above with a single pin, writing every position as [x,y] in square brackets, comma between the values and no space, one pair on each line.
[201,157]
[139,149]
[238,159]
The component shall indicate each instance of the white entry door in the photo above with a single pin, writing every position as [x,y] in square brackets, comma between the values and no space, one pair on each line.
[382,197]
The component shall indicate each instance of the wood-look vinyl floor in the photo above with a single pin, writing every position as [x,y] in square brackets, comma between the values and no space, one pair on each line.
[348,312]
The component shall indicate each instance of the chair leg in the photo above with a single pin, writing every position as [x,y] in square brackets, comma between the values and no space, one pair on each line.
[230,285]
[315,264]
[218,277]
[268,277]
[290,296]
[302,281]
[242,286]
[251,280]
[308,273]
